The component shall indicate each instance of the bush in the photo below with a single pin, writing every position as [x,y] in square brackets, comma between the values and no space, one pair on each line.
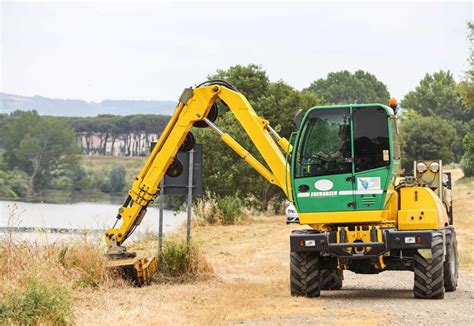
[38,303]
[6,190]
[229,209]
[214,210]
[13,184]
[85,264]
[182,260]
[117,178]
[63,182]
[467,165]
[467,161]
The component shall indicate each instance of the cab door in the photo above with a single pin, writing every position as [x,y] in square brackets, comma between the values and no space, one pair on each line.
[372,156]
[322,165]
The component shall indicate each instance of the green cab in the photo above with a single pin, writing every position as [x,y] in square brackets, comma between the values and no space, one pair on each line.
[345,158]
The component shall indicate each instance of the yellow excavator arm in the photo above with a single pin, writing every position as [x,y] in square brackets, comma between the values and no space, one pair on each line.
[194,105]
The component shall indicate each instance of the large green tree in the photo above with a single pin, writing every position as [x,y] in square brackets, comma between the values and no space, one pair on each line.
[466,88]
[429,138]
[438,95]
[39,146]
[227,174]
[344,87]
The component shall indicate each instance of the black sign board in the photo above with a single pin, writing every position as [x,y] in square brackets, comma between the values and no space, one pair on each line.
[179,185]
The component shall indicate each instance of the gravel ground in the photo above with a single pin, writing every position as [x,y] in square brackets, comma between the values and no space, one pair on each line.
[391,293]
[385,299]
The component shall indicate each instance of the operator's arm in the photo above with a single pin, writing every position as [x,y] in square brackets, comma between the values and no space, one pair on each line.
[194,105]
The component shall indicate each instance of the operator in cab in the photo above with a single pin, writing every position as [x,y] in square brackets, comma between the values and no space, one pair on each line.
[344,150]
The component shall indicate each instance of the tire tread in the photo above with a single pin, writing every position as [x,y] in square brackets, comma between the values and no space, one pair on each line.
[429,275]
[304,274]
[331,279]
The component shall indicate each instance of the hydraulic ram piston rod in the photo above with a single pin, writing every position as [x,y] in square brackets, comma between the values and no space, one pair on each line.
[242,152]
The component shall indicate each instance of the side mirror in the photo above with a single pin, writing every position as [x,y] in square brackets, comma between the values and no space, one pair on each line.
[298,118]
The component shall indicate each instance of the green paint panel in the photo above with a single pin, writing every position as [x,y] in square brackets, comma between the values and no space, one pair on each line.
[323,193]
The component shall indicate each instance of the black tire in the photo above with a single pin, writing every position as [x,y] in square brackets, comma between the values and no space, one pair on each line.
[451,262]
[331,279]
[429,273]
[304,274]
[189,143]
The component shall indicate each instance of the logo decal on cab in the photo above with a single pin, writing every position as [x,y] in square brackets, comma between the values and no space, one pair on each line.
[323,185]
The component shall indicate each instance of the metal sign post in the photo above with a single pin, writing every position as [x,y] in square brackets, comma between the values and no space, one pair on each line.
[190,194]
[162,202]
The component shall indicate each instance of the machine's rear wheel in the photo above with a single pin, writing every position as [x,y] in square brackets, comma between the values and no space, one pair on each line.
[429,273]
[451,262]
[304,274]
[331,279]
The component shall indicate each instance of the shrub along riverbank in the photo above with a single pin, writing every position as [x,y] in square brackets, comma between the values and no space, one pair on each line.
[96,179]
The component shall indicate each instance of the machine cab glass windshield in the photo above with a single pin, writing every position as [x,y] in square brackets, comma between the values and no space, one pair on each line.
[333,139]
[325,146]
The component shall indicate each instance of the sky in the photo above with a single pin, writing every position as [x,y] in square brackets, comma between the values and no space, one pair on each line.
[142,50]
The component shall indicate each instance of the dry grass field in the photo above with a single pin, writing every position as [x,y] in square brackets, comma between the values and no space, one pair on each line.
[463,199]
[250,284]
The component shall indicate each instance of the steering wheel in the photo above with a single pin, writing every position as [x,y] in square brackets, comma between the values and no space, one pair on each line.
[321,157]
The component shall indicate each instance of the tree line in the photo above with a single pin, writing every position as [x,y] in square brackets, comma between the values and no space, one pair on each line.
[117,135]
[437,122]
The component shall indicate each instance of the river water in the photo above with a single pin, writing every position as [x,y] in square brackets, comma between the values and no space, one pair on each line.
[79,218]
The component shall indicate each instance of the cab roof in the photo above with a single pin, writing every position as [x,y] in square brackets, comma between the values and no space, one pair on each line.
[387,109]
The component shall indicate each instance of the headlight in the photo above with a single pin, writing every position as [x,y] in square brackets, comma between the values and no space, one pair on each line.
[421,167]
[434,167]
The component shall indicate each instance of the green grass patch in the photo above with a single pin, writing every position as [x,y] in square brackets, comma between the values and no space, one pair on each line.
[37,304]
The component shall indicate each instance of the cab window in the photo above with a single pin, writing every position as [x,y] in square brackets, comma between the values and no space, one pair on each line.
[325,144]
[371,141]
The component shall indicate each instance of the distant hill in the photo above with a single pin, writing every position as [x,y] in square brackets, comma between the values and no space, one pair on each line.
[80,108]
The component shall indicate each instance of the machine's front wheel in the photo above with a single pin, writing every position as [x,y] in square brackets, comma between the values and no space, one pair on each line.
[429,272]
[451,262]
[304,274]
[331,279]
